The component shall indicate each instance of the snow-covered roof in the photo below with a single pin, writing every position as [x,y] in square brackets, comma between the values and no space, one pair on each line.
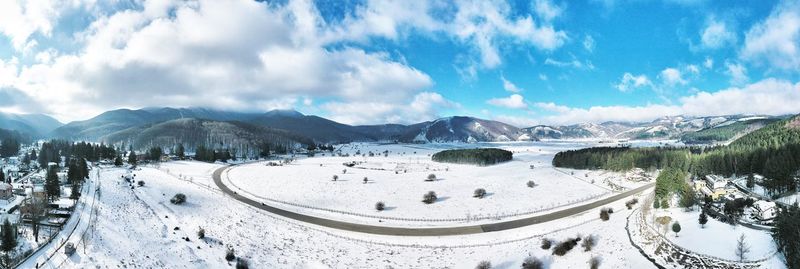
[763,205]
[5,186]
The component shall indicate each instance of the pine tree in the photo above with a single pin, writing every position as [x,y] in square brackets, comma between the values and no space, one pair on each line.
[51,184]
[2,176]
[180,152]
[118,161]
[75,191]
[703,219]
[72,173]
[786,236]
[9,239]
[83,167]
[132,158]
[676,227]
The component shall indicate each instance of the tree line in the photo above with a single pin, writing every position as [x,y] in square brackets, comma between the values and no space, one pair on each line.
[482,156]
[773,151]
[53,150]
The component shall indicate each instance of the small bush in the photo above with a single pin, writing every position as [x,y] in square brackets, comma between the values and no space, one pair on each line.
[366,180]
[564,247]
[431,177]
[547,243]
[380,206]
[532,263]
[589,242]
[242,264]
[531,184]
[429,197]
[178,199]
[479,193]
[229,255]
[605,213]
[484,265]
[335,177]
[629,204]
[594,263]
[141,183]
[201,233]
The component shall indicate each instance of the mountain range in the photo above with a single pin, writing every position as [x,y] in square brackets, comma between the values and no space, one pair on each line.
[194,126]
[33,125]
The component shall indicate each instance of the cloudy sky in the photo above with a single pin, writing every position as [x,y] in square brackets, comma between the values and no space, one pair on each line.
[363,62]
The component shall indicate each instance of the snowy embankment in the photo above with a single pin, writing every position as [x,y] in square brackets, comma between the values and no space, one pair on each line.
[136,228]
[307,185]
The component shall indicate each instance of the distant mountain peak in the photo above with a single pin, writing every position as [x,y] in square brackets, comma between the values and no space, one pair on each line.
[284,113]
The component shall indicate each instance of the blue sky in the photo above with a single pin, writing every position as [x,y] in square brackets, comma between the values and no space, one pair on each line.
[367,62]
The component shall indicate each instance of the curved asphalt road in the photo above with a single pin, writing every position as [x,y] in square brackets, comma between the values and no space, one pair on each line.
[438,231]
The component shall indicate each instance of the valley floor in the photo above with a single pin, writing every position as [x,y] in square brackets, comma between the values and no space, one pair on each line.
[137,227]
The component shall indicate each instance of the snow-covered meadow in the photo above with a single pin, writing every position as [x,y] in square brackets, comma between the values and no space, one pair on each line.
[136,228]
[396,176]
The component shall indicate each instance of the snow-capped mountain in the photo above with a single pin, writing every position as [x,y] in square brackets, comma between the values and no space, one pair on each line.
[666,127]
[464,129]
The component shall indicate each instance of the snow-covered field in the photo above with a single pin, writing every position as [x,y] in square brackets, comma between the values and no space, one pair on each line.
[718,238]
[136,229]
[399,181]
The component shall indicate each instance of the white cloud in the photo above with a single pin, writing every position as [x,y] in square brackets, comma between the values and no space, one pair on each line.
[209,55]
[514,101]
[486,23]
[574,63]
[598,114]
[588,43]
[693,69]
[8,72]
[20,20]
[672,76]
[629,82]
[769,96]
[510,87]
[422,107]
[716,34]
[737,72]
[518,121]
[482,25]
[708,63]
[775,42]
[766,97]
[542,77]
[546,9]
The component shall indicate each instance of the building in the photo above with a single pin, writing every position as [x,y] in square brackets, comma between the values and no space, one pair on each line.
[765,211]
[6,192]
[712,185]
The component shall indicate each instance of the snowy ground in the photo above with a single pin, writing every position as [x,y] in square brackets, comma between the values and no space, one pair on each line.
[135,228]
[398,180]
[718,238]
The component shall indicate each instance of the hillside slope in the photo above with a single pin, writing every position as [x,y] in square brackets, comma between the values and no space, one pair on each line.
[193,132]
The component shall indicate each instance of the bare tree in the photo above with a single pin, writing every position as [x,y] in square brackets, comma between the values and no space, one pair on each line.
[742,248]
[37,209]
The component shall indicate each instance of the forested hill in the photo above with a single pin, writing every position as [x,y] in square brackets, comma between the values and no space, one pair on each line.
[726,132]
[773,151]
[772,136]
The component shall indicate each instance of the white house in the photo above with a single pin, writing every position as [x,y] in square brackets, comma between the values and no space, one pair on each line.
[765,211]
